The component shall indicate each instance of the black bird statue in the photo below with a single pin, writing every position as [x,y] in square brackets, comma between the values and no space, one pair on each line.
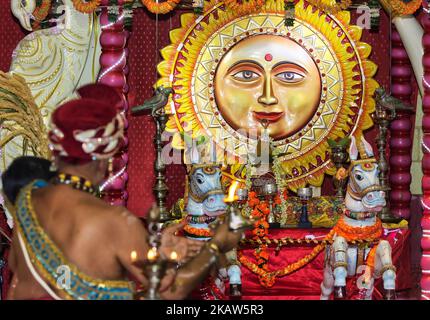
[158,101]
[390,103]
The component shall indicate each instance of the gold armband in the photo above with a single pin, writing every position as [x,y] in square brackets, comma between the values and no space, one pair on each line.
[340,264]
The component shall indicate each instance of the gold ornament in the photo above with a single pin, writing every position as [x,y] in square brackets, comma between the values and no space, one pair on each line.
[333,83]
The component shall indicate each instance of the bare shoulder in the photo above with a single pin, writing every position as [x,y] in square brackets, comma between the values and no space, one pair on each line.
[117,216]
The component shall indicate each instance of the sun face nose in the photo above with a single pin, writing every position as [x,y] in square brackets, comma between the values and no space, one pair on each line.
[267,98]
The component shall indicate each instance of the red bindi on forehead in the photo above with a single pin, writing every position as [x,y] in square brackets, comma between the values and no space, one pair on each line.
[268,57]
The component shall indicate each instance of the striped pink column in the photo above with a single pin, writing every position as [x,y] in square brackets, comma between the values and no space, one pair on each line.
[113,72]
[425,221]
[400,130]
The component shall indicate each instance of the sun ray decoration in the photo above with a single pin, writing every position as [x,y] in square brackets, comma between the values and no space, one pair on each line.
[191,60]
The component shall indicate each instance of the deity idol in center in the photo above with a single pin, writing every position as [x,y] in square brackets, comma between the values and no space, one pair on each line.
[268,81]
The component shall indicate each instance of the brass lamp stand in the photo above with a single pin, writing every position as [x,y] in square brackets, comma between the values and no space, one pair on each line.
[385,113]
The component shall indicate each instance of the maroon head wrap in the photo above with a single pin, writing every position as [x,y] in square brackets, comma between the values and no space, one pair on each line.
[88,128]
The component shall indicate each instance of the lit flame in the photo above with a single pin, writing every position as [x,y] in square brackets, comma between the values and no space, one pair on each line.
[231,192]
[173,256]
[152,254]
[133,256]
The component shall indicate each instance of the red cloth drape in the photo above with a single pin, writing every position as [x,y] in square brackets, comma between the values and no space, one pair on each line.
[304,284]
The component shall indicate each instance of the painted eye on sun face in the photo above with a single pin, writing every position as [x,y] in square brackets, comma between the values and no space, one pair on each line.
[289,77]
[246,75]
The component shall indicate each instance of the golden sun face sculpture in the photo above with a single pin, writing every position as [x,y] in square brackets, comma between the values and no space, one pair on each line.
[267,79]
[234,73]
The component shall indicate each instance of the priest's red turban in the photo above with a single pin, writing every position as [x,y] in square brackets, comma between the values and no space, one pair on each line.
[88,128]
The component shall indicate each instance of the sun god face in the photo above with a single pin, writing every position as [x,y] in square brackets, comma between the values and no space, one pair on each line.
[267,81]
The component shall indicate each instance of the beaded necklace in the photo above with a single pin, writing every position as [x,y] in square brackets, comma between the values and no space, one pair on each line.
[200,219]
[75,182]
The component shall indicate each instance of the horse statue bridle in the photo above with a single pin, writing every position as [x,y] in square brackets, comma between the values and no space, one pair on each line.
[199,197]
[367,164]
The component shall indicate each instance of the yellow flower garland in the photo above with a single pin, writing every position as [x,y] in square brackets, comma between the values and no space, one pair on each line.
[247,6]
[329,7]
[160,8]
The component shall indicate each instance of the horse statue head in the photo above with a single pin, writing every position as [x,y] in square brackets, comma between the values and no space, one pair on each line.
[22,10]
[364,192]
[205,193]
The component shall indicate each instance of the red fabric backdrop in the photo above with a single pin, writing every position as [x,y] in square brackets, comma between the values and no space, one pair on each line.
[304,284]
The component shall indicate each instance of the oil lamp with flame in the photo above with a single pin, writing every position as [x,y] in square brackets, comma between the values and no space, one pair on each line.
[155,264]
[236,220]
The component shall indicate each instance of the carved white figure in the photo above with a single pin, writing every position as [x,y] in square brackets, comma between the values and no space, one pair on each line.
[54,61]
[363,200]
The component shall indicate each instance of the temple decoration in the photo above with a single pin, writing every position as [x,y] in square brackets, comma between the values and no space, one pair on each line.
[400,130]
[375,15]
[339,156]
[20,117]
[332,95]
[86,6]
[43,58]
[40,13]
[160,7]
[331,6]
[113,72]
[401,7]
[206,205]
[156,105]
[289,13]
[363,200]
[425,200]
[386,109]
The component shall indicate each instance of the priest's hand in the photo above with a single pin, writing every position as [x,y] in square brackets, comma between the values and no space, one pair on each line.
[225,238]
[185,248]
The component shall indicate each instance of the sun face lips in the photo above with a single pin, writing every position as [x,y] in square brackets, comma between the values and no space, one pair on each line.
[268,116]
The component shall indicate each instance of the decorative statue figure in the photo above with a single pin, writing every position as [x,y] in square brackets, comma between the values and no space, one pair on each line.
[157,102]
[54,61]
[363,200]
[205,204]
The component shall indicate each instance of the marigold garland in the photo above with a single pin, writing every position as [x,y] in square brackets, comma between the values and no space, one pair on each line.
[358,233]
[160,8]
[198,231]
[245,5]
[405,8]
[86,6]
[267,278]
[42,11]
[328,6]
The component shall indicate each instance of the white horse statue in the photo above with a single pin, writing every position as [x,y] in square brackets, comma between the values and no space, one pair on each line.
[205,204]
[363,200]
[54,61]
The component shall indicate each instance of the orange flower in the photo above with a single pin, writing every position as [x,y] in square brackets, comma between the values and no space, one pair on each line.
[249,5]
[163,8]
[358,233]
[198,231]
[341,173]
[86,7]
